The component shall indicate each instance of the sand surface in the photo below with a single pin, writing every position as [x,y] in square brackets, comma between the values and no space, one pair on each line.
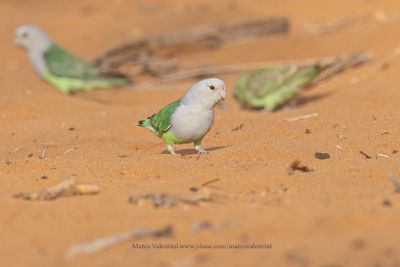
[333,216]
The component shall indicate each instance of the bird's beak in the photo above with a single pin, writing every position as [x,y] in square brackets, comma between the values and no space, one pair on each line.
[223,95]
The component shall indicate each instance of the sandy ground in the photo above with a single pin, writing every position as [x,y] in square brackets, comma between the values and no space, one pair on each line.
[332,216]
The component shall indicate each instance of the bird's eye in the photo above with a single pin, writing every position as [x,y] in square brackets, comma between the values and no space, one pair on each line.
[212,87]
[25,34]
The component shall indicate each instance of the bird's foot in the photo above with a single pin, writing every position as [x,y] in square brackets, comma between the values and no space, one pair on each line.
[200,150]
[172,151]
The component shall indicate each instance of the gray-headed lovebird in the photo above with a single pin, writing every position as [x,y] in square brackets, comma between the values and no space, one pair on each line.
[188,119]
[273,87]
[65,71]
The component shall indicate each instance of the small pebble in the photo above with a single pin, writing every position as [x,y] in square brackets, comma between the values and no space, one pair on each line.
[386,203]
[320,155]
[203,225]
[194,189]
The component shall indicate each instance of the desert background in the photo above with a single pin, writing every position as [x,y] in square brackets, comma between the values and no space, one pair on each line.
[343,213]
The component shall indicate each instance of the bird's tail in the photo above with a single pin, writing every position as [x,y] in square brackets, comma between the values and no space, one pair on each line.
[143,123]
[146,124]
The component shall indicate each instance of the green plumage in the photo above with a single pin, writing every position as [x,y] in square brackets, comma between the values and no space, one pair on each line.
[273,87]
[70,73]
[62,63]
[160,122]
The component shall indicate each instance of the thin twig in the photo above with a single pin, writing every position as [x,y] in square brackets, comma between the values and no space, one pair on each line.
[331,65]
[210,182]
[302,117]
[17,149]
[66,188]
[379,16]
[106,242]
[334,26]
[69,150]
[365,155]
[170,201]
[383,155]
[339,65]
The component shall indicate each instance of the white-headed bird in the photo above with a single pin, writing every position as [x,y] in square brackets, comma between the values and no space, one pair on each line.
[273,87]
[65,71]
[188,119]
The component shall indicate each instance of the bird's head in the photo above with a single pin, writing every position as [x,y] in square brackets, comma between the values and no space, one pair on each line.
[207,93]
[31,38]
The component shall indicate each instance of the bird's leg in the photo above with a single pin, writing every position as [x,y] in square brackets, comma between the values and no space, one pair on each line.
[172,151]
[197,146]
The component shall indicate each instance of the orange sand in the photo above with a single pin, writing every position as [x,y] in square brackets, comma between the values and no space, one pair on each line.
[332,216]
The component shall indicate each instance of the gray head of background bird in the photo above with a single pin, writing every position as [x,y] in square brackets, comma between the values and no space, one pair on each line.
[207,93]
[32,38]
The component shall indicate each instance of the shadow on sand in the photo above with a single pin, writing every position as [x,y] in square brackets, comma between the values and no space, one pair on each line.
[192,151]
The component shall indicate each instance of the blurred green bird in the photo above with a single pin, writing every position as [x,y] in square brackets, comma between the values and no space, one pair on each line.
[273,87]
[65,71]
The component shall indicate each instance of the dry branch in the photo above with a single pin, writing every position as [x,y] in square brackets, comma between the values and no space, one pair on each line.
[169,201]
[145,51]
[105,242]
[332,65]
[340,64]
[66,188]
[151,57]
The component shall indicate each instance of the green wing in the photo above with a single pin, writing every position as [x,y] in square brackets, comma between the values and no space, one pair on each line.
[161,121]
[273,87]
[69,73]
[62,63]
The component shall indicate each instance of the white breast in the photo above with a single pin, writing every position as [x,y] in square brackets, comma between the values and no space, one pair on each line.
[191,123]
[38,63]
